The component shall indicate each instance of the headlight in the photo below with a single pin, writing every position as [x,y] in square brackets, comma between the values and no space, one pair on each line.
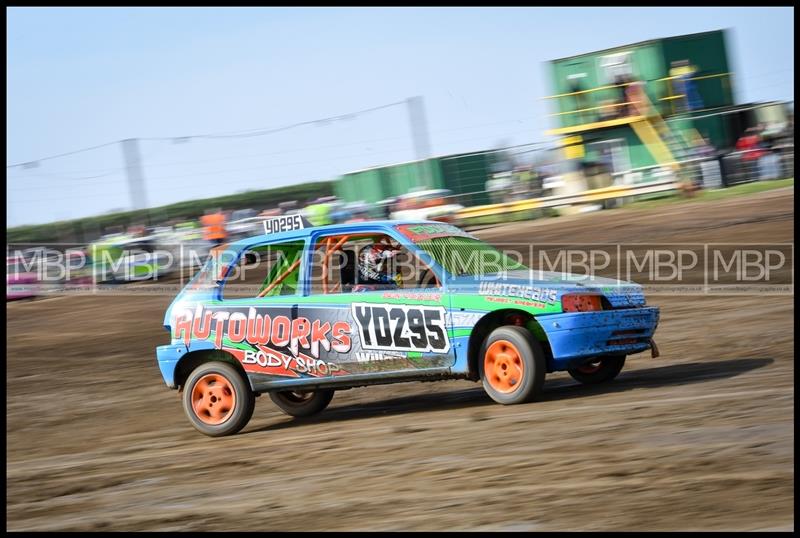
[581,302]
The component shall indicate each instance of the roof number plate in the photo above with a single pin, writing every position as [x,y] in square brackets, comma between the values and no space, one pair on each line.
[285,223]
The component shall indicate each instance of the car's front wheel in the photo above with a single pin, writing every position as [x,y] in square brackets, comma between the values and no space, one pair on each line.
[217,399]
[302,403]
[599,370]
[512,365]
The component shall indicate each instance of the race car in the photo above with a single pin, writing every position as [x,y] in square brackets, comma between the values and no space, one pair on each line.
[124,258]
[301,312]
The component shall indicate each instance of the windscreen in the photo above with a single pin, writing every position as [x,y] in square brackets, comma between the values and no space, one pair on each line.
[467,256]
[457,251]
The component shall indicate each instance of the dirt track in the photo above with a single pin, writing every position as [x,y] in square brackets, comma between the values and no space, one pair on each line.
[698,439]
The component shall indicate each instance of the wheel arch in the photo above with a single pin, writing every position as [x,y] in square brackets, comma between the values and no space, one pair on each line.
[499,318]
[193,359]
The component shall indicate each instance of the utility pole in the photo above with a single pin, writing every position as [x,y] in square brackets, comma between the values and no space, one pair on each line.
[419,134]
[133,169]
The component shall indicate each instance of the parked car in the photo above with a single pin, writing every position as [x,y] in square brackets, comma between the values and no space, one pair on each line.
[21,282]
[429,204]
[123,258]
[245,227]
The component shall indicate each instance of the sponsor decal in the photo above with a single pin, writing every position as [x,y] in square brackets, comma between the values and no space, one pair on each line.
[276,340]
[389,327]
[543,295]
[423,232]
[373,356]
[413,296]
[465,319]
[268,361]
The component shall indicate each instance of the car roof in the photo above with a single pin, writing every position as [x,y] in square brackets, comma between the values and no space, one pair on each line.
[350,227]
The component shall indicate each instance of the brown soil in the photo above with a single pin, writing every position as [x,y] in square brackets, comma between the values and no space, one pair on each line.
[700,438]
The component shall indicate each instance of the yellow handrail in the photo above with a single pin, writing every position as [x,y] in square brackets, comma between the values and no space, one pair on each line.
[695,78]
[588,91]
[670,98]
[716,75]
[611,105]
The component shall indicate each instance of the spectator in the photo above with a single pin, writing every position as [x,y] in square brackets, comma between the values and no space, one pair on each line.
[750,144]
[214,226]
[581,100]
[624,109]
[682,73]
[636,98]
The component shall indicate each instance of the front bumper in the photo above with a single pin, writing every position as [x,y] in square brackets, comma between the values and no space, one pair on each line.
[168,357]
[576,336]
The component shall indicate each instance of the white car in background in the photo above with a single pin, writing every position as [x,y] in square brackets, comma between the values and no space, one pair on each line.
[246,227]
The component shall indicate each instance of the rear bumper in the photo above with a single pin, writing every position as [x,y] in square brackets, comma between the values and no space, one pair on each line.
[576,336]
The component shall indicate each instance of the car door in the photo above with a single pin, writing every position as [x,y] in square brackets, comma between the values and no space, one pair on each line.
[258,312]
[393,331]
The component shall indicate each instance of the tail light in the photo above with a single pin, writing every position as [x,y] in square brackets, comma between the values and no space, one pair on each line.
[576,302]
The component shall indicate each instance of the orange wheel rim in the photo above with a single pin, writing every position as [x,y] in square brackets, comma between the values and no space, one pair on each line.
[503,366]
[213,399]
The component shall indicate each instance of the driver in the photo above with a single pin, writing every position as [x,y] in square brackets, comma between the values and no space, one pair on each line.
[374,265]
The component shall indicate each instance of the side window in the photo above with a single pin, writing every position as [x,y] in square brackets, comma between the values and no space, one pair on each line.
[366,262]
[265,271]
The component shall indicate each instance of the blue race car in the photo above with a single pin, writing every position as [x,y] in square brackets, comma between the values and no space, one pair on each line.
[303,311]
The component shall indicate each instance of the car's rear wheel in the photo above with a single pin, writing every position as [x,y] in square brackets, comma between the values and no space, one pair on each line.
[512,366]
[600,370]
[217,399]
[302,403]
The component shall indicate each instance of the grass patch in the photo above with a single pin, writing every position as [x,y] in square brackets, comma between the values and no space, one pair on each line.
[711,195]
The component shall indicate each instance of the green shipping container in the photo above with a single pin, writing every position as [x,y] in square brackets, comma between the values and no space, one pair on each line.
[376,184]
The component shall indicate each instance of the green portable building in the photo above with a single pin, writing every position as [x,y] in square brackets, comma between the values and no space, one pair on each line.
[685,79]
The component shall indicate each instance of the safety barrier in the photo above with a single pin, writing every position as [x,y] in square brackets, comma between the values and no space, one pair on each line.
[758,165]
[710,172]
[594,195]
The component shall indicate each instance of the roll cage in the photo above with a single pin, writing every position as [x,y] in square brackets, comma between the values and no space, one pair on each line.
[331,238]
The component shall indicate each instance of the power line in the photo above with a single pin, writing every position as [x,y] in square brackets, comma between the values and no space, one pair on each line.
[35,162]
[265,130]
[112,171]
[182,185]
[240,134]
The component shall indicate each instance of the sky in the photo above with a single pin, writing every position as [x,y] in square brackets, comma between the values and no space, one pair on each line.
[84,77]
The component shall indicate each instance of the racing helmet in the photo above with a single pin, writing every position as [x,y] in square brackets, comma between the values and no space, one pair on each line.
[374,263]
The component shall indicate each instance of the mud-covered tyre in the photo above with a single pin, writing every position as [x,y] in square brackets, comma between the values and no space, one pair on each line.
[597,371]
[512,366]
[302,403]
[217,399]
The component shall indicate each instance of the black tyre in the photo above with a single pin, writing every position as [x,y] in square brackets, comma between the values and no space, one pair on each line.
[217,399]
[600,370]
[302,403]
[512,365]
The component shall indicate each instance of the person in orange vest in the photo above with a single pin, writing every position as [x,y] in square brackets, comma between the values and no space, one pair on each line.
[214,226]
